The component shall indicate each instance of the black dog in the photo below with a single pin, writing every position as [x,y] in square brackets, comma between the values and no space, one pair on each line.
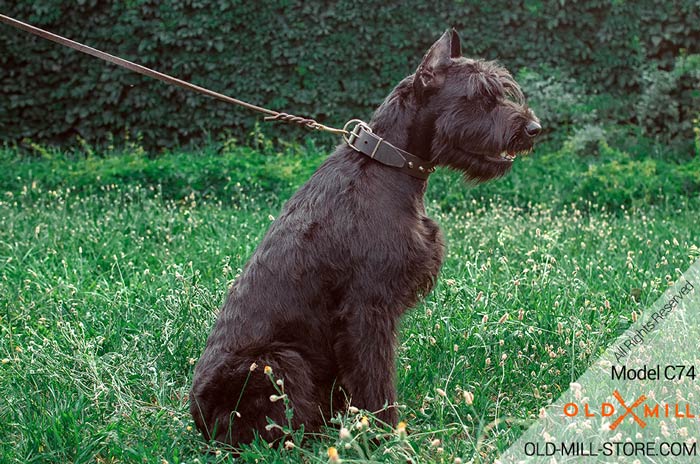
[352,250]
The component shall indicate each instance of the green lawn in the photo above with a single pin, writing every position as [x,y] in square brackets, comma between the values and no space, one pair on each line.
[108,292]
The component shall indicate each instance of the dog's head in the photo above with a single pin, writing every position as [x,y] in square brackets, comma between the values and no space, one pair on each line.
[473,111]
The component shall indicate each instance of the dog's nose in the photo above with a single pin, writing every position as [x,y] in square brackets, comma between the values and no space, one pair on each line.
[533,129]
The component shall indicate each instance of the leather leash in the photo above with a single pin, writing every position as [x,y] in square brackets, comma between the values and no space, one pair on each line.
[360,138]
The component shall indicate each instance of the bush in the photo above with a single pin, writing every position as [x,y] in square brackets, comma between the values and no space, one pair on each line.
[229,172]
[586,140]
[559,101]
[619,180]
[224,171]
[670,100]
[332,61]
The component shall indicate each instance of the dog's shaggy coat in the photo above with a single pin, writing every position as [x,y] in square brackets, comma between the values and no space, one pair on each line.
[352,250]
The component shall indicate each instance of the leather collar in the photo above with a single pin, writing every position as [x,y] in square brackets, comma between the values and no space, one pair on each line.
[362,139]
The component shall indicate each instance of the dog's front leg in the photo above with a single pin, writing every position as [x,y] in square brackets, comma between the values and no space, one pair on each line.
[364,349]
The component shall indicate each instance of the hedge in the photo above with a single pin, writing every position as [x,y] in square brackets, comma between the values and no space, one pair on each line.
[328,60]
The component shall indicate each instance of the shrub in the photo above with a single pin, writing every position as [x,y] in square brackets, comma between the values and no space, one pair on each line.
[670,100]
[586,140]
[558,100]
[310,58]
[619,180]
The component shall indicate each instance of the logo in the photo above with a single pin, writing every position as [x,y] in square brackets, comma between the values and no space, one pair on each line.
[637,411]
[628,410]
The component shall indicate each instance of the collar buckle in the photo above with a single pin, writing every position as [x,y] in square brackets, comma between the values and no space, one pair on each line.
[351,135]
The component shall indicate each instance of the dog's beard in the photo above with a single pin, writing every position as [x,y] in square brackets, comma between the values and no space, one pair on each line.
[480,167]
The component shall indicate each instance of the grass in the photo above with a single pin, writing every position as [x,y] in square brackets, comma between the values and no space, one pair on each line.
[111,278]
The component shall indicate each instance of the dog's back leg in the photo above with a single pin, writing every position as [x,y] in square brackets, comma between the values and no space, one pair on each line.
[229,401]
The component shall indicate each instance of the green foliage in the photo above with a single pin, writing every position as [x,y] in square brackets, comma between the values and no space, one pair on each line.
[332,60]
[585,141]
[587,171]
[671,99]
[623,181]
[560,102]
[223,170]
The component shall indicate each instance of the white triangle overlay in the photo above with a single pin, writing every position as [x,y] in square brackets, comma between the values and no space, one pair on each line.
[582,425]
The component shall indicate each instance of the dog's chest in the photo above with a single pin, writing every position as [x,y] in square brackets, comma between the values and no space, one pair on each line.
[432,246]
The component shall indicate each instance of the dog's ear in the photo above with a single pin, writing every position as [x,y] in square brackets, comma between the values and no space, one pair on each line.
[431,72]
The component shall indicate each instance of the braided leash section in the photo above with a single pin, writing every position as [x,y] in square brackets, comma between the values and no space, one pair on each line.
[290,118]
[305,122]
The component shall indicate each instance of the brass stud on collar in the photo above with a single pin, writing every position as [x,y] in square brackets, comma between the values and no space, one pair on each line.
[421,168]
[410,165]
